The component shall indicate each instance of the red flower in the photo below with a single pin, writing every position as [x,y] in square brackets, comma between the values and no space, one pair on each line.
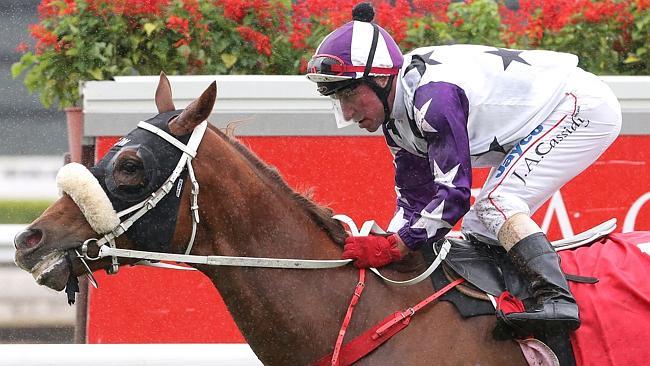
[44,38]
[302,68]
[234,9]
[182,42]
[192,7]
[261,10]
[54,8]
[178,24]
[47,9]
[301,26]
[298,35]
[396,26]
[261,42]
[22,47]
[70,8]
[127,7]
[145,7]
[435,8]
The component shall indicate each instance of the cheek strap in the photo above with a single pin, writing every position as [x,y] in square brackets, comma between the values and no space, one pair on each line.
[382,93]
[84,189]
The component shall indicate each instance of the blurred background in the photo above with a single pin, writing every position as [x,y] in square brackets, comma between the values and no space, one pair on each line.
[31,152]
[271,37]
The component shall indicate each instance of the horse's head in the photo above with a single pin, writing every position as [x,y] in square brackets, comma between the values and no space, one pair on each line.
[99,203]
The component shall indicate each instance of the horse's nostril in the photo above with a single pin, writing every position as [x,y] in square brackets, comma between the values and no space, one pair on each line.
[28,238]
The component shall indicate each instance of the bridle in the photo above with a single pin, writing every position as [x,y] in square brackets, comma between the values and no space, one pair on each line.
[138,210]
[107,248]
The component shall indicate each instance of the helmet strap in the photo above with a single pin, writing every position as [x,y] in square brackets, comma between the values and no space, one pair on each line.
[381,92]
[373,48]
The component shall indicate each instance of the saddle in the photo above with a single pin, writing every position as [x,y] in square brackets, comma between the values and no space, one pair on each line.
[488,272]
[484,263]
[485,266]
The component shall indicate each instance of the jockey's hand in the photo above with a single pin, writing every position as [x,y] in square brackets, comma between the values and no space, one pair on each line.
[372,251]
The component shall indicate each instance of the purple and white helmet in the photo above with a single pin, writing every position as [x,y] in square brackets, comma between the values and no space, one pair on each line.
[343,55]
[354,53]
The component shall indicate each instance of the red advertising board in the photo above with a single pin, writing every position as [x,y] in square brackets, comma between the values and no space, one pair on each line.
[354,176]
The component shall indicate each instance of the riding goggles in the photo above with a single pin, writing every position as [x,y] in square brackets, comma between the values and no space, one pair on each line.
[324,68]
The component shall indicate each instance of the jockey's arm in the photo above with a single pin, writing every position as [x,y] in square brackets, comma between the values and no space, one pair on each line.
[430,207]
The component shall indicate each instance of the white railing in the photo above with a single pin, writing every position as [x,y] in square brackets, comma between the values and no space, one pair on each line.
[23,303]
[276,105]
[7,234]
[127,354]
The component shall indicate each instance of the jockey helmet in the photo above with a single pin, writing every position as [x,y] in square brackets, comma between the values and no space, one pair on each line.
[355,53]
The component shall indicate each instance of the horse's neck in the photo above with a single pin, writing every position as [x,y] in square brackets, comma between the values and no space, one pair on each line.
[292,317]
[259,220]
[275,309]
[256,211]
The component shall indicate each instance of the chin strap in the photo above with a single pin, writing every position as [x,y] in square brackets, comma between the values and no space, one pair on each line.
[381,92]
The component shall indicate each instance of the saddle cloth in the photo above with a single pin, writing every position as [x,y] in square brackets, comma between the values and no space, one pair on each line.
[614,312]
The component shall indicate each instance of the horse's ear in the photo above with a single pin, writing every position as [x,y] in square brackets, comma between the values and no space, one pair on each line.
[195,113]
[164,100]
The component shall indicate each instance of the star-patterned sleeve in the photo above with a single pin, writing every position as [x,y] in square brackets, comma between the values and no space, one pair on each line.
[437,203]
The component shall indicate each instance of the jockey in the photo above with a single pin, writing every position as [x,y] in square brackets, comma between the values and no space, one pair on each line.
[533,116]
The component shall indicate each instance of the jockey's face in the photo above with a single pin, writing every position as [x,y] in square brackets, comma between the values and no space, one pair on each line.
[362,105]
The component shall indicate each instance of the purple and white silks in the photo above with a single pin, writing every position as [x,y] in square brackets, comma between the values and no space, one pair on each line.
[457,107]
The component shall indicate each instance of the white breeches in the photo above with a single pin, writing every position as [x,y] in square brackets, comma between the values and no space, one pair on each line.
[575,134]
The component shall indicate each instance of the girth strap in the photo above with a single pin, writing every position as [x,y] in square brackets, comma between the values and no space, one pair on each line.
[580,279]
[367,342]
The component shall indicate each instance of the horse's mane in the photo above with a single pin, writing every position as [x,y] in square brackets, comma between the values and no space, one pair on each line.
[321,215]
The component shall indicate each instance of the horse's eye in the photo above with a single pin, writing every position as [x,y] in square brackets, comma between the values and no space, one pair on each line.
[129,173]
[130,167]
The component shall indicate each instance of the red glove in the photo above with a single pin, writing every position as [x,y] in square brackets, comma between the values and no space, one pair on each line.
[372,251]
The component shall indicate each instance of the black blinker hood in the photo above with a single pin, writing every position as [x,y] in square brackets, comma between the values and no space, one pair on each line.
[154,230]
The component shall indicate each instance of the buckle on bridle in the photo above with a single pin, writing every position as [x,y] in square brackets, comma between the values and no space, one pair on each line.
[84,250]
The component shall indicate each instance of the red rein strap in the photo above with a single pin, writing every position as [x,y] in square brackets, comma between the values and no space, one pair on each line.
[348,316]
[377,335]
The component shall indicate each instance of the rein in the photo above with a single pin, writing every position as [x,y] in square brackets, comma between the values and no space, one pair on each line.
[106,244]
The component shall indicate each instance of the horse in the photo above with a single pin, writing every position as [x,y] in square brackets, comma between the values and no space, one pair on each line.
[246,209]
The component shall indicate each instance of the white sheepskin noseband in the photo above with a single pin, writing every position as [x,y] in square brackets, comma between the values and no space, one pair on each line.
[84,189]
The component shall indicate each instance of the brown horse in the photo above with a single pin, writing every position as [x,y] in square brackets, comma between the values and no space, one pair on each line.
[288,316]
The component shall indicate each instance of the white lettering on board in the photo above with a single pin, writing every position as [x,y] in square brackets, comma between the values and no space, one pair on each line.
[630,218]
[556,205]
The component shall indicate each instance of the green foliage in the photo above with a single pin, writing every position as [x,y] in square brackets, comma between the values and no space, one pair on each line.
[477,22]
[81,40]
[596,53]
[638,59]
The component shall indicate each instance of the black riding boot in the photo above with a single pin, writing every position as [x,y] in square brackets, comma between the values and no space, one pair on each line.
[555,308]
